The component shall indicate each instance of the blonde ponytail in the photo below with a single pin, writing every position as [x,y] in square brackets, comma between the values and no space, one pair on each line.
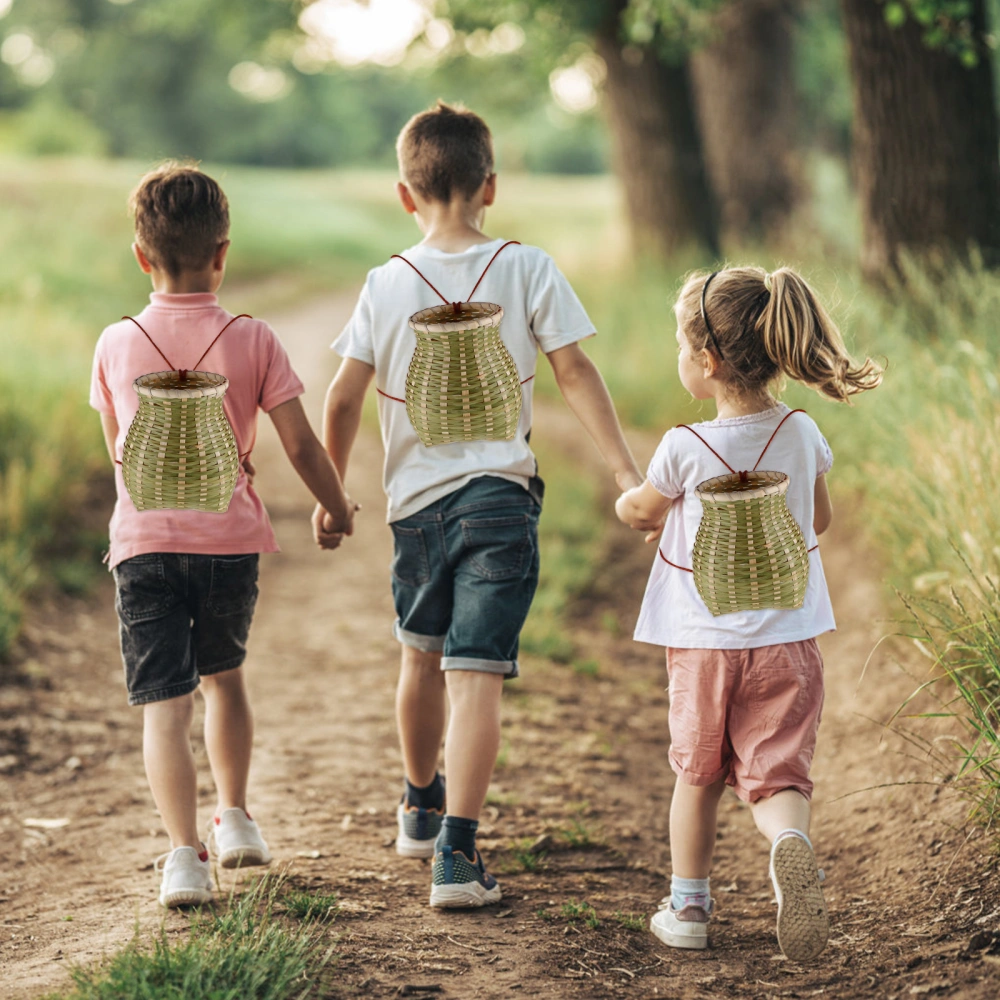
[805,344]
[763,326]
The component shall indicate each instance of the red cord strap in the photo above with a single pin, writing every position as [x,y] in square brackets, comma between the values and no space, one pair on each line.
[456,306]
[659,552]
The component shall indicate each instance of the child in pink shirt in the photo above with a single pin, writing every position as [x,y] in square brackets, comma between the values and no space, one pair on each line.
[186,580]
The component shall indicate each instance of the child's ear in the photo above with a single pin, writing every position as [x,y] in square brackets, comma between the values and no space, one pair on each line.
[490,190]
[709,362]
[141,259]
[219,260]
[405,198]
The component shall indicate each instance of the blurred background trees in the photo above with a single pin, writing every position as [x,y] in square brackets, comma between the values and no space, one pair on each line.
[711,111]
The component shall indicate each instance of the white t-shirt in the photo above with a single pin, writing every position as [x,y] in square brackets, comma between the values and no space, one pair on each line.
[541,311]
[673,613]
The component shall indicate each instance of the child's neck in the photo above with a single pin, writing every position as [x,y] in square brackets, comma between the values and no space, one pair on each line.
[454,227]
[185,282]
[728,406]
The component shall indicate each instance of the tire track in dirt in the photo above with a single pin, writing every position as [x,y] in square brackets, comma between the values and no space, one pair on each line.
[583,764]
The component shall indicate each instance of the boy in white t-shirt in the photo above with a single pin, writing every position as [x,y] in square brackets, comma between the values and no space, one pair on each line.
[464,515]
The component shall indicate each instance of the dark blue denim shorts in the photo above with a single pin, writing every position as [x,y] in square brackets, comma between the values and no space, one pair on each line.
[182,616]
[464,573]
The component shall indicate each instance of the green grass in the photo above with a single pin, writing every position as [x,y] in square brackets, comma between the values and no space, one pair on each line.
[638,922]
[577,911]
[244,950]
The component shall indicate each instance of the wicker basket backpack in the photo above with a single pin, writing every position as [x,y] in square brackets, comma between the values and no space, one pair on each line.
[749,552]
[180,452]
[462,383]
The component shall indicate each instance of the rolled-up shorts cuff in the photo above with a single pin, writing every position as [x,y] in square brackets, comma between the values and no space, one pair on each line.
[506,668]
[700,780]
[755,793]
[424,643]
[222,666]
[162,694]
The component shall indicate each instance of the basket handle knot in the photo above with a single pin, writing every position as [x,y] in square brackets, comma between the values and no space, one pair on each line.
[183,372]
[456,308]
[744,477]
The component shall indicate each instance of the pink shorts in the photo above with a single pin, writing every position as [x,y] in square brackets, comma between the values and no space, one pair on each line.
[747,715]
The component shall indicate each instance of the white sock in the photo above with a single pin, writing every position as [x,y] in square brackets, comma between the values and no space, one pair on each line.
[689,892]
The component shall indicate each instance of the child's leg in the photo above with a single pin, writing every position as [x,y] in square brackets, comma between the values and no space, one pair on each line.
[693,814]
[473,740]
[170,767]
[228,736]
[420,714]
[785,810]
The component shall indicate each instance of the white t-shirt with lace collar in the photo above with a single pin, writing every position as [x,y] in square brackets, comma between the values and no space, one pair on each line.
[673,613]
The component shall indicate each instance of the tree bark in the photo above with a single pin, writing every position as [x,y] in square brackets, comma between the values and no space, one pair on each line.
[745,96]
[657,147]
[925,142]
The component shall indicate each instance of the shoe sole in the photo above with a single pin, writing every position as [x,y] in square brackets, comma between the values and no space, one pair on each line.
[186,897]
[244,858]
[407,847]
[803,922]
[466,896]
[698,941]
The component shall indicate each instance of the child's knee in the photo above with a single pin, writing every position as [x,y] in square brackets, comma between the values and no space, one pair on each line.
[224,682]
[421,662]
[170,713]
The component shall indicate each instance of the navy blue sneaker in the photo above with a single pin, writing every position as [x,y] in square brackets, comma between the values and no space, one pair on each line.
[460,883]
[418,829]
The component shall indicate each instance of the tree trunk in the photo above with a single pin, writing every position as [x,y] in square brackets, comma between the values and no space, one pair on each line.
[657,148]
[745,96]
[925,142]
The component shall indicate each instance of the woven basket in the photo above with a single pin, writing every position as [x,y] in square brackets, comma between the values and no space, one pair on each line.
[749,552]
[180,452]
[462,384]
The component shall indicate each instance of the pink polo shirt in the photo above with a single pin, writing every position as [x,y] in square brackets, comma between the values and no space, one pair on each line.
[260,376]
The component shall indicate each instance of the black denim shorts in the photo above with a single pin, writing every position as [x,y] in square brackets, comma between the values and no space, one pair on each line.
[182,616]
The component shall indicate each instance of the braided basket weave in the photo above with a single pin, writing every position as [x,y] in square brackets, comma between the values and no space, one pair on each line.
[180,452]
[462,384]
[749,552]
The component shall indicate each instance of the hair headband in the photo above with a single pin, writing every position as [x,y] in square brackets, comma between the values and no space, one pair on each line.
[704,316]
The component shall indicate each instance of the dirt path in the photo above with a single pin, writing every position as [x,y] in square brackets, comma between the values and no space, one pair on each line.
[584,761]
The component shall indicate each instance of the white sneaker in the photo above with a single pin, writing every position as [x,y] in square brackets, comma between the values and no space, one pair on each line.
[236,840]
[683,928]
[187,880]
[803,923]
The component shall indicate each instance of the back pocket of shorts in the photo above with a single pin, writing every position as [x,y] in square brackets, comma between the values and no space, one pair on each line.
[498,547]
[410,563]
[143,593]
[233,588]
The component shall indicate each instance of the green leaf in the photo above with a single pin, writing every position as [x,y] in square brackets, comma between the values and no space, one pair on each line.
[895,15]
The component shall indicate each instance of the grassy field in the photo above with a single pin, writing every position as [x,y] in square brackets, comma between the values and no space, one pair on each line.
[916,460]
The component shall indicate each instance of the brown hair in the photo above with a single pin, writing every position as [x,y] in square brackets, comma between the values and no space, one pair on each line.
[767,326]
[445,151]
[181,217]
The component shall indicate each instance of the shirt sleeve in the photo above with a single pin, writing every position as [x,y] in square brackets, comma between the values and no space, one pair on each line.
[100,394]
[555,314]
[280,381]
[357,340]
[824,455]
[663,472]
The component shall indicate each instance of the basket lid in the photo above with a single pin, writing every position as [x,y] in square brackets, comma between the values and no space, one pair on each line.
[444,319]
[168,385]
[736,487]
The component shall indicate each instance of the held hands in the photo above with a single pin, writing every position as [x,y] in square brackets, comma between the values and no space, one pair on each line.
[643,508]
[329,532]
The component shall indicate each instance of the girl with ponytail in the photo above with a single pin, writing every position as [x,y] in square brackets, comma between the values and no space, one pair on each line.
[746,685]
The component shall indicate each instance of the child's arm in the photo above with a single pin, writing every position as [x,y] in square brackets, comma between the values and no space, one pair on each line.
[341,419]
[644,508]
[586,394]
[342,410]
[109,424]
[822,506]
[313,465]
